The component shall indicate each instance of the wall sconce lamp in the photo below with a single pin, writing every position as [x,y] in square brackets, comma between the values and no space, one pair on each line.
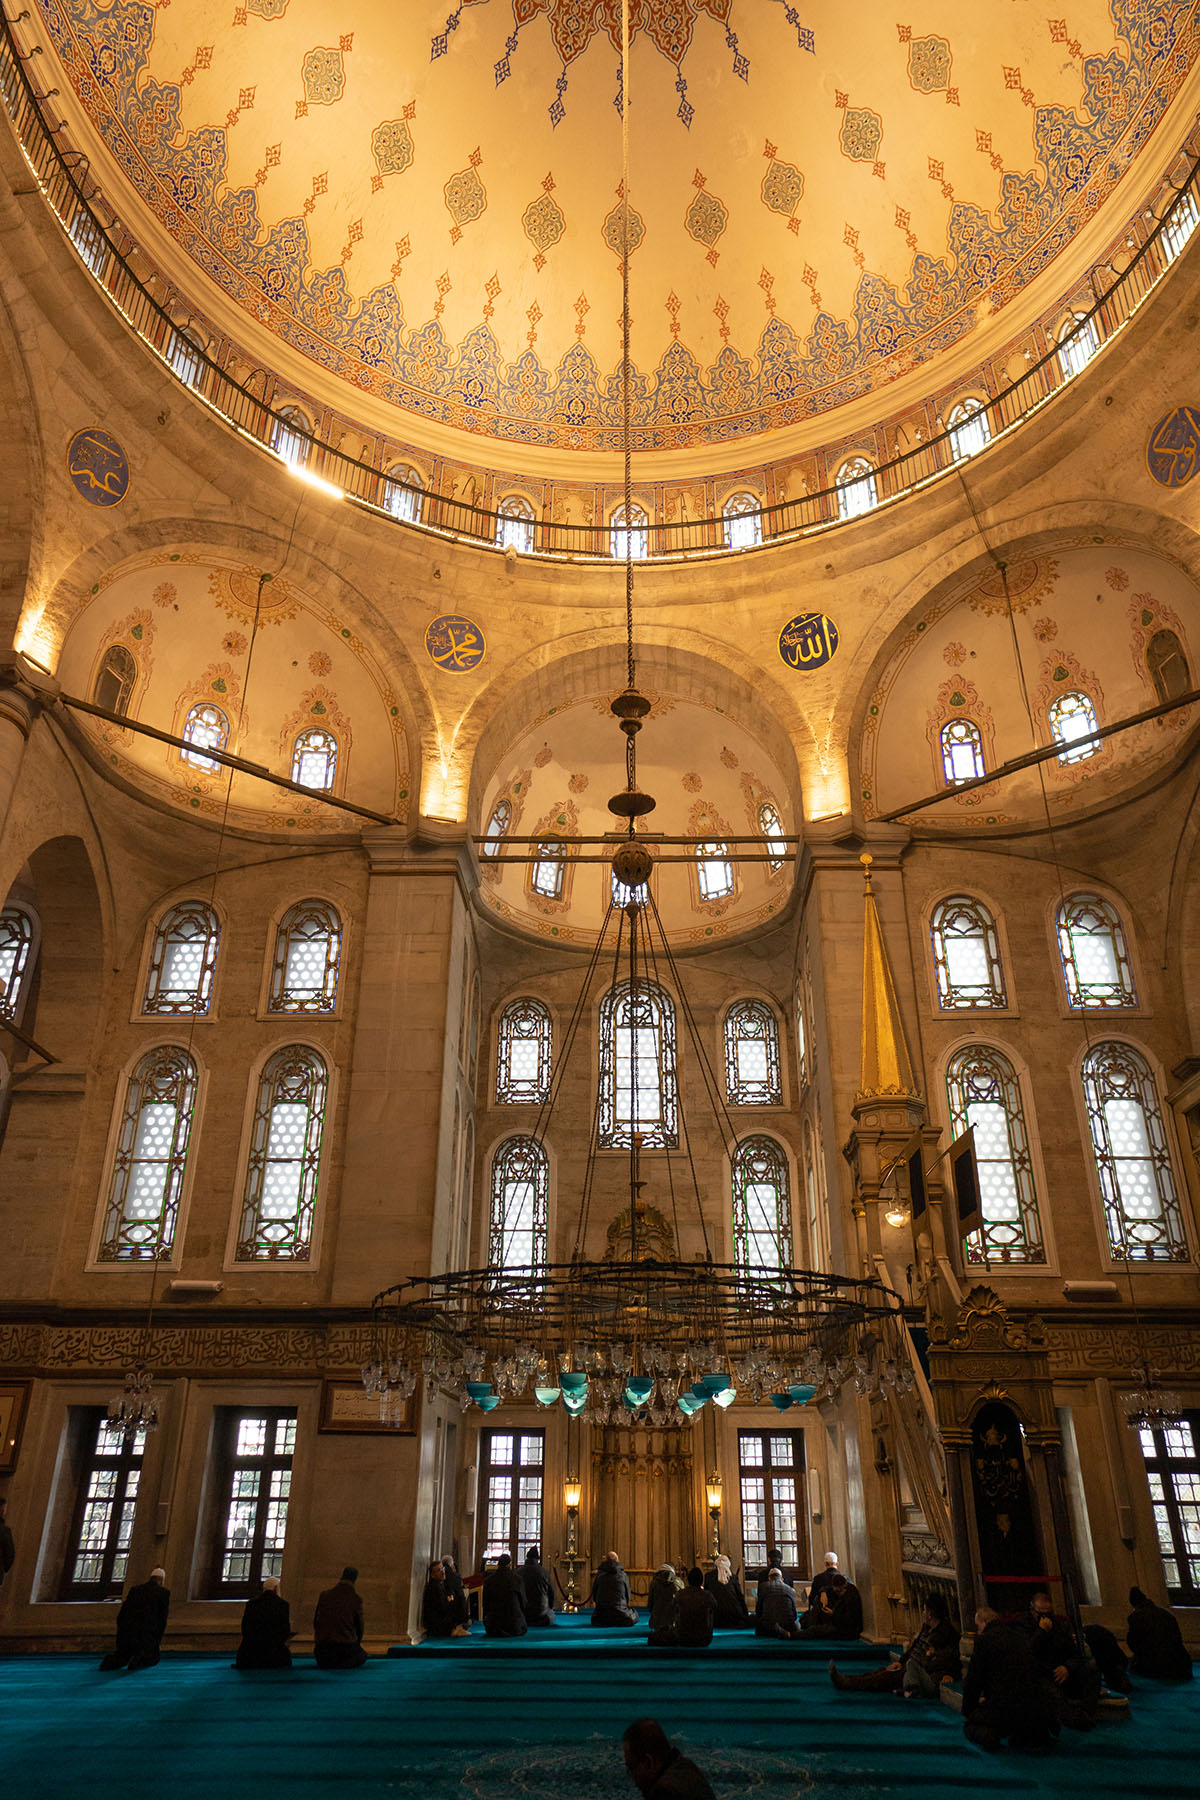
[572,1494]
[714,1487]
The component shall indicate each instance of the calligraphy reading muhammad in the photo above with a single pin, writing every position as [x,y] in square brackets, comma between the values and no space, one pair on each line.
[1173,453]
[454,643]
[98,467]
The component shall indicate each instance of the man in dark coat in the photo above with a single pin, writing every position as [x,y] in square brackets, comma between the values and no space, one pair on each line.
[664,1586]
[776,1613]
[822,1582]
[458,1596]
[140,1624]
[774,1561]
[838,1612]
[539,1591]
[338,1625]
[1155,1641]
[610,1596]
[931,1659]
[266,1628]
[1003,1695]
[1062,1665]
[504,1601]
[439,1613]
[657,1770]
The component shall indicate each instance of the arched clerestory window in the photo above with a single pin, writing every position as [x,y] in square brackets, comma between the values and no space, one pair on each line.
[1078,342]
[967,423]
[314,759]
[630,535]
[637,1067]
[742,514]
[18,947]
[403,493]
[856,488]
[771,826]
[292,436]
[714,871]
[183,958]
[283,1162]
[306,959]
[966,955]
[514,524]
[523,1045]
[1167,666]
[113,687]
[762,1207]
[1072,719]
[1133,1162]
[205,728]
[519,1219]
[185,354]
[962,751]
[145,1185]
[752,1074]
[498,826]
[1095,956]
[549,873]
[984,1093]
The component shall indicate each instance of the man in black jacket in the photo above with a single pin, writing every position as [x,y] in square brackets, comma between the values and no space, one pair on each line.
[266,1628]
[140,1624]
[504,1601]
[539,1591]
[338,1625]
[611,1598]
[838,1612]
[1003,1695]
[931,1659]
[1155,1641]
[1074,1679]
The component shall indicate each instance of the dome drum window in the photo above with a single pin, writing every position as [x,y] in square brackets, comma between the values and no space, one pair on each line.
[1072,720]
[630,534]
[856,488]
[186,357]
[962,752]
[304,968]
[966,955]
[970,431]
[752,1075]
[984,1093]
[1133,1162]
[514,524]
[183,958]
[742,514]
[314,759]
[146,1183]
[548,874]
[284,1160]
[205,728]
[292,437]
[1095,956]
[1078,342]
[403,494]
[714,871]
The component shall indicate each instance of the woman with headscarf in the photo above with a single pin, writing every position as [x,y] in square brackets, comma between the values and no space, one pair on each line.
[725,1588]
[539,1592]
[504,1601]
[664,1585]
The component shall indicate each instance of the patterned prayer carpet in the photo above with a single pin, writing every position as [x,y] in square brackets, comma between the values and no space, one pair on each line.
[540,1721]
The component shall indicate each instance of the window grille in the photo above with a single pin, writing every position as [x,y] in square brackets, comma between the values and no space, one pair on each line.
[1167,666]
[523,1054]
[969,429]
[983,1091]
[106,1503]
[714,871]
[743,521]
[403,493]
[752,1076]
[291,437]
[771,1489]
[314,759]
[205,728]
[498,827]
[771,826]
[630,536]
[962,751]
[308,951]
[16,959]
[186,358]
[144,1190]
[762,1207]
[550,869]
[856,488]
[90,241]
[284,1163]
[1180,226]
[966,955]
[1072,717]
[114,679]
[183,958]
[256,1453]
[1095,956]
[513,1480]
[514,524]
[1078,343]
[518,1235]
[1172,1460]
[1133,1161]
[637,1067]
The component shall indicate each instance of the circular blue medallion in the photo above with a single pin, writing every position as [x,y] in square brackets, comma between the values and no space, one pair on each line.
[1173,452]
[455,643]
[98,467]
[808,641]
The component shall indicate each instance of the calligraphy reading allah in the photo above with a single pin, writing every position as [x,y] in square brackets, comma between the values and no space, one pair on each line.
[1173,452]
[808,641]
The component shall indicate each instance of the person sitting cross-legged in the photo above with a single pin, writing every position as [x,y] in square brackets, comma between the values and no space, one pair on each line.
[539,1591]
[504,1601]
[776,1613]
[837,1613]
[612,1602]
[664,1586]
[338,1625]
[439,1607]
[726,1590]
[657,1770]
[266,1628]
[693,1615]
[1061,1663]
[930,1660]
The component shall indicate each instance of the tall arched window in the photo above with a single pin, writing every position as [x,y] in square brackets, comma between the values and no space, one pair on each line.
[1095,956]
[284,1160]
[403,491]
[549,871]
[630,536]
[1167,666]
[514,524]
[90,241]
[183,957]
[1078,342]
[752,1076]
[743,521]
[291,437]
[983,1091]
[966,955]
[967,423]
[308,952]
[762,1207]
[771,826]
[498,826]
[1183,220]
[141,1208]
[1072,718]
[714,871]
[205,728]
[519,1221]
[856,488]
[637,1067]
[802,1069]
[18,940]
[523,1040]
[962,751]
[1133,1162]
[185,356]
[314,759]
[114,679]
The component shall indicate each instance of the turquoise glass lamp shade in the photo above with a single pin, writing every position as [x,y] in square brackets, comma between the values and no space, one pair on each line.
[546,1396]
[641,1387]
[574,1383]
[477,1389]
[488,1402]
[781,1402]
[725,1398]
[801,1392]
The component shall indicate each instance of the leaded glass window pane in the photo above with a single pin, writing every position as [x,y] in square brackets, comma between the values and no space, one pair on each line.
[16,958]
[314,759]
[630,536]
[186,358]
[962,751]
[402,493]
[743,522]
[1078,344]
[855,487]
[518,1234]
[1133,1160]
[771,1484]
[1072,718]
[762,1206]
[771,826]
[512,1481]
[714,870]
[752,1076]
[983,1091]
[549,870]
[514,524]
[183,958]
[1095,956]
[497,827]
[256,1458]
[969,429]
[966,955]
[1173,1475]
[205,728]
[523,1054]
[144,1190]
[285,1158]
[637,1067]
[308,952]
[106,1505]
[291,437]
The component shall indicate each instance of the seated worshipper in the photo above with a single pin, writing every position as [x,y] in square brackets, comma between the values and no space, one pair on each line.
[140,1624]
[610,1596]
[931,1659]
[1003,1695]
[439,1609]
[776,1615]
[504,1601]
[664,1585]
[774,1561]
[837,1613]
[693,1614]
[266,1628]
[458,1594]
[1109,1658]
[1155,1641]
[725,1588]
[338,1625]
[1060,1662]
[539,1591]
[824,1580]
[657,1770]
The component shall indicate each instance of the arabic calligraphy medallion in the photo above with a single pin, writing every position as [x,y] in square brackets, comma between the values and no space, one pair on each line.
[1173,453]
[98,467]
[808,641]
[454,643]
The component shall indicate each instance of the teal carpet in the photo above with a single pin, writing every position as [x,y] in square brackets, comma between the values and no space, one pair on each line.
[539,1724]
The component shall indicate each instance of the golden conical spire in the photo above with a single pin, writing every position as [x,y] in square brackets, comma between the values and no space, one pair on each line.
[886,1065]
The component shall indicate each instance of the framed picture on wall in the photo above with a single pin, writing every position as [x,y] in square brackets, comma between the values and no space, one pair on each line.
[347,1406]
[14,1397]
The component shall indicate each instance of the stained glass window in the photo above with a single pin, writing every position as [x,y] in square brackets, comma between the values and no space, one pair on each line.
[1167,666]
[762,1207]
[314,759]
[962,751]
[983,1091]
[1078,342]
[969,430]
[497,827]
[285,1158]
[549,871]
[966,955]
[144,1190]
[256,1454]
[752,1076]
[308,951]
[1173,1472]
[291,437]
[637,1067]
[771,1481]
[855,486]
[183,957]
[106,1503]
[205,728]
[185,357]
[630,536]
[518,1232]
[1133,1160]
[714,870]
[743,521]
[513,1477]
[402,493]
[1095,956]
[523,1054]
[771,826]
[1072,719]
[16,959]
[114,679]
[514,524]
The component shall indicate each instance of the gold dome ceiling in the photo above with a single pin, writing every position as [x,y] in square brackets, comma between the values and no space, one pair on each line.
[414,213]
